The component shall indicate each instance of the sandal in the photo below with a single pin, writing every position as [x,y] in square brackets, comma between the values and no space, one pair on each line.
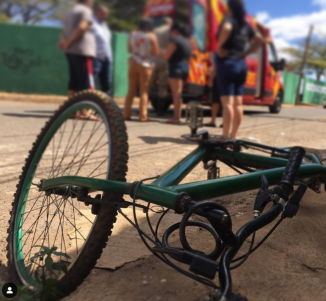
[172,121]
[210,125]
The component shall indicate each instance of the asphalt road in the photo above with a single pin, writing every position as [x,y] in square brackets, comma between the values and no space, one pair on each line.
[153,146]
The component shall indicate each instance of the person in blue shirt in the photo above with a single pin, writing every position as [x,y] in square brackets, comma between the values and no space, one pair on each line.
[102,64]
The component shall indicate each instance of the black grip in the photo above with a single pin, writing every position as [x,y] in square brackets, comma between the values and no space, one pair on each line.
[292,168]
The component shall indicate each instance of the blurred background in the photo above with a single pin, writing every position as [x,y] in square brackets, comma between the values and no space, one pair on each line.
[30,31]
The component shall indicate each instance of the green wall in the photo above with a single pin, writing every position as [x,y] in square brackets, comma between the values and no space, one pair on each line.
[314,92]
[120,65]
[291,82]
[31,62]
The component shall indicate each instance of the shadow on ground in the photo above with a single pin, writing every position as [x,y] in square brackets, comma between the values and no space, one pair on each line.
[156,140]
[27,115]
[41,112]
[4,273]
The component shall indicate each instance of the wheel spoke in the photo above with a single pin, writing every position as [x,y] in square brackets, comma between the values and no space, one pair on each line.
[67,149]
[68,219]
[83,161]
[83,215]
[48,225]
[75,156]
[62,131]
[97,167]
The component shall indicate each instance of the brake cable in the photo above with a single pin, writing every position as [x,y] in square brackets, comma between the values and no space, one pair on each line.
[260,243]
[157,242]
[163,247]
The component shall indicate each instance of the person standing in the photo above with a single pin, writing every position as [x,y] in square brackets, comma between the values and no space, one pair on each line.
[160,72]
[102,63]
[78,42]
[178,54]
[142,45]
[231,67]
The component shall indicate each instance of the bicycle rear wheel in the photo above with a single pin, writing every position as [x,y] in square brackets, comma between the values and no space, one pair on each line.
[94,147]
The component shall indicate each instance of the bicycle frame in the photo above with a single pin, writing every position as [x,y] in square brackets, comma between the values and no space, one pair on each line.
[165,190]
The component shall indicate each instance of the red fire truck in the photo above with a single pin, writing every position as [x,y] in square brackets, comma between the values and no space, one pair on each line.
[264,85]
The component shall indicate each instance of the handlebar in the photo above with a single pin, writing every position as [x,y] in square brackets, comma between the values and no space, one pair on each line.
[285,187]
[293,166]
[283,190]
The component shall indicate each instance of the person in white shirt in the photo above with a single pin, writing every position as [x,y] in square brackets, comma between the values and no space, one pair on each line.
[102,64]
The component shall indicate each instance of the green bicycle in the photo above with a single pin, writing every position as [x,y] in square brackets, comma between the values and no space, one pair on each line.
[74,180]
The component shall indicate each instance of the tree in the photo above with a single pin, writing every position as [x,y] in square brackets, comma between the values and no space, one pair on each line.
[3,18]
[33,11]
[124,14]
[316,60]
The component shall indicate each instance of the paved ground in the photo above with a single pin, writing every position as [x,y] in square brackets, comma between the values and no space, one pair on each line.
[291,266]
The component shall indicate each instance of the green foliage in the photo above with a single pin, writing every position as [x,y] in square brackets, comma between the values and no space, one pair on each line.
[46,289]
[34,11]
[124,15]
[3,18]
[316,58]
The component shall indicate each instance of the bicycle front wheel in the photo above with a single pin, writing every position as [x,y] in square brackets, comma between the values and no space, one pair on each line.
[93,146]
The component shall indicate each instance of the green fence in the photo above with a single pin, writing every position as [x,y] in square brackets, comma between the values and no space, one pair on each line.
[31,62]
[314,92]
[291,82]
[120,66]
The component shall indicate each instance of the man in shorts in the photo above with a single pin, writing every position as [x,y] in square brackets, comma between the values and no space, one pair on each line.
[78,42]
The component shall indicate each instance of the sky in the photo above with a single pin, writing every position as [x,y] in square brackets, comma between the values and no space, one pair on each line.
[289,20]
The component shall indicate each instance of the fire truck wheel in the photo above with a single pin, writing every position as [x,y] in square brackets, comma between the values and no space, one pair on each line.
[277,106]
[161,105]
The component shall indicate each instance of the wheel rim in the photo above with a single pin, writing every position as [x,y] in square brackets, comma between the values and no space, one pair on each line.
[76,141]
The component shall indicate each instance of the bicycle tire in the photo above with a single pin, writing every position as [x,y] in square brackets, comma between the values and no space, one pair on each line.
[102,229]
